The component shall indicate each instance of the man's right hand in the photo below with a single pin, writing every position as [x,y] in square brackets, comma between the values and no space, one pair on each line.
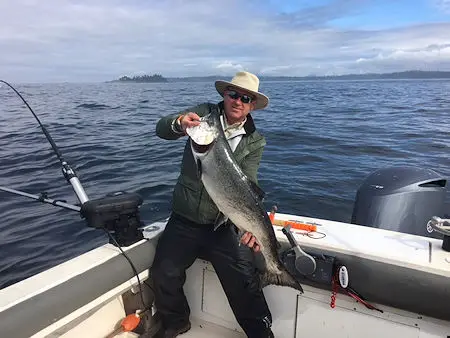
[189,120]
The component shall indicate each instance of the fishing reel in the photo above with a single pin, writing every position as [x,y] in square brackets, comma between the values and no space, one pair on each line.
[117,213]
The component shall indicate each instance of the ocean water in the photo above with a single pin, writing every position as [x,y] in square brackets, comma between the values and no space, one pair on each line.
[324,138]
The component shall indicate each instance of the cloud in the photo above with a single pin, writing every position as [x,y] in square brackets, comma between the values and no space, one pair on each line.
[228,65]
[398,60]
[443,5]
[98,40]
[276,69]
[318,15]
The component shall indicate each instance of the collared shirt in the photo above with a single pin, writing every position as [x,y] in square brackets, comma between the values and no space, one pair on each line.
[234,132]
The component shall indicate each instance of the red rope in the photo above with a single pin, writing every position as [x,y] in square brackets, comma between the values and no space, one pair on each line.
[362,301]
[334,290]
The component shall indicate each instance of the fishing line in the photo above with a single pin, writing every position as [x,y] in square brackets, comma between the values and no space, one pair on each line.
[68,172]
[107,214]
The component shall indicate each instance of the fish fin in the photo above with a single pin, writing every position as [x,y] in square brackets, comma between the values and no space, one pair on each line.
[257,190]
[220,219]
[282,279]
[199,169]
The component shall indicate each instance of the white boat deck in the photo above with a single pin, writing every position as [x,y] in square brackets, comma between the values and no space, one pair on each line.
[203,329]
[200,329]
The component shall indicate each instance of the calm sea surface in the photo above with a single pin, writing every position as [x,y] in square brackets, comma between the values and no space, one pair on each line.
[324,139]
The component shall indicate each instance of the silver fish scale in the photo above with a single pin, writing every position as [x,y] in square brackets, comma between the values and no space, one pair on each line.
[230,189]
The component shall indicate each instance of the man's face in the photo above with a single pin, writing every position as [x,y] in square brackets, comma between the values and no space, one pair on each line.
[238,104]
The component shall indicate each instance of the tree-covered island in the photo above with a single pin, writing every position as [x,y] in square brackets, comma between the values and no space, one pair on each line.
[143,78]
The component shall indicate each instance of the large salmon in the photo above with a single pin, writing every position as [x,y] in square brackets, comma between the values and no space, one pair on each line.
[236,196]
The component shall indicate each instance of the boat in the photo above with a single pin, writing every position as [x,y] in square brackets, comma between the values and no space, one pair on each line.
[89,295]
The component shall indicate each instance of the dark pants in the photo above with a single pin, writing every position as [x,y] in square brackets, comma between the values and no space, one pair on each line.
[180,244]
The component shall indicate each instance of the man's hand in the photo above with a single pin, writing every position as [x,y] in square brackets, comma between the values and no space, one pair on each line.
[189,120]
[250,240]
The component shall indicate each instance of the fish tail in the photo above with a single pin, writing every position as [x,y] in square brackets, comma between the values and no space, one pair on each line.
[281,278]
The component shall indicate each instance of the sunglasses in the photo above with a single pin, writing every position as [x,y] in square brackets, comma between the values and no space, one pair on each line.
[235,95]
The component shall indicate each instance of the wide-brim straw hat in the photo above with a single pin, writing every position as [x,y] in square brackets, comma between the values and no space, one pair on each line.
[248,82]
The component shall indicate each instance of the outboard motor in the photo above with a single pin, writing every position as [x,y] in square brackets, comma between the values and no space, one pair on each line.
[401,199]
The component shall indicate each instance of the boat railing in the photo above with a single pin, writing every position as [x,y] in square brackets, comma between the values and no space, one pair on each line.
[441,225]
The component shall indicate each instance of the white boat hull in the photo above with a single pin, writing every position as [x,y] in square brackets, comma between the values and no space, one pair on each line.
[84,297]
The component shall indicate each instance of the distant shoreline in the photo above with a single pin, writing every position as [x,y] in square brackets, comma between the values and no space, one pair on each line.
[369,76]
[374,76]
[413,75]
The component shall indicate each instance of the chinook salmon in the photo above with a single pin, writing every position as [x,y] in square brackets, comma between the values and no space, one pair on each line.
[236,196]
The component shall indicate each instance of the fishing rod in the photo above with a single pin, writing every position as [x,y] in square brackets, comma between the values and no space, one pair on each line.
[68,172]
[116,213]
[43,198]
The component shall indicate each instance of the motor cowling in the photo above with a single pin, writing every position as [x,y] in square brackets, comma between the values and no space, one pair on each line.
[400,199]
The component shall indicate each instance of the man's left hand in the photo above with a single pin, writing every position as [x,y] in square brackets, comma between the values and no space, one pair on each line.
[250,240]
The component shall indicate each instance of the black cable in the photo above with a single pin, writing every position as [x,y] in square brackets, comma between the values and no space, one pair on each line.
[315,234]
[144,305]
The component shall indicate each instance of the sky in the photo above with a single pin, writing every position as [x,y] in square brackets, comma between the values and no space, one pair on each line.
[101,40]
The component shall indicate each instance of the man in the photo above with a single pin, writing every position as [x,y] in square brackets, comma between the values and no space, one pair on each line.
[189,232]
